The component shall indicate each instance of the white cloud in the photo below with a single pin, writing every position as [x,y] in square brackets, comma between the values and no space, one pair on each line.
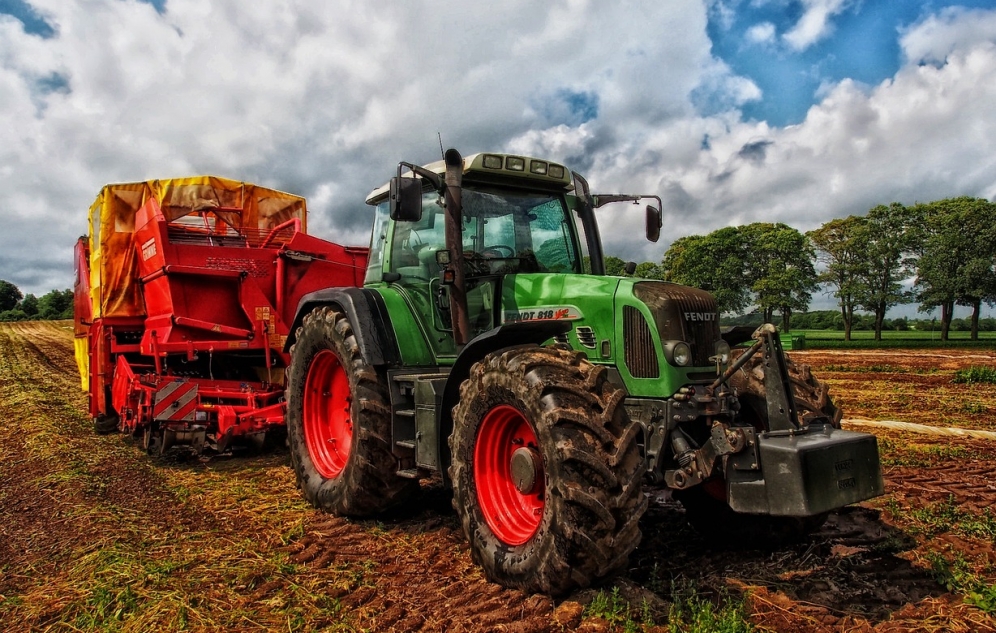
[954,28]
[323,100]
[815,23]
[762,33]
[305,97]
[927,133]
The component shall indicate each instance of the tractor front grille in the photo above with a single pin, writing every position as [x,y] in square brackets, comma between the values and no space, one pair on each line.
[641,357]
[683,314]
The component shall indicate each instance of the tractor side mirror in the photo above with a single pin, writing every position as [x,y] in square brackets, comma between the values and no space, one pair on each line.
[406,199]
[654,223]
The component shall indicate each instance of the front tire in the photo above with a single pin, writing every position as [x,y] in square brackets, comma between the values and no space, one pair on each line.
[546,470]
[812,397]
[339,421]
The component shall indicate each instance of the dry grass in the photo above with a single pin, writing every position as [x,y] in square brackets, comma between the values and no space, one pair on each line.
[96,536]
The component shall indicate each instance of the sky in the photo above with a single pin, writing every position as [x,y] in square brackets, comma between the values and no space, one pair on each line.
[733,111]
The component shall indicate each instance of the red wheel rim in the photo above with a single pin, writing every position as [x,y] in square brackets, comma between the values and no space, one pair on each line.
[328,427]
[513,516]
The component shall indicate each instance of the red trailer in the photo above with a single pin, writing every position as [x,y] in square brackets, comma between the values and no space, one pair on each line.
[185,290]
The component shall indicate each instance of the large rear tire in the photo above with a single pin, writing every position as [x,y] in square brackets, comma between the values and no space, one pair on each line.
[705,505]
[339,421]
[546,470]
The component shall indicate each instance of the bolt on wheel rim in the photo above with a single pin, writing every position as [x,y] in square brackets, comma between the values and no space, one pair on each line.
[510,499]
[328,427]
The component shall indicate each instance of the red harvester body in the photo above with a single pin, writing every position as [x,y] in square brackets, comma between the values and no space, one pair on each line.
[185,290]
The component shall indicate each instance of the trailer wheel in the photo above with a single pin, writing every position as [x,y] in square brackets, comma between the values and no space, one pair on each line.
[706,506]
[105,424]
[546,470]
[338,421]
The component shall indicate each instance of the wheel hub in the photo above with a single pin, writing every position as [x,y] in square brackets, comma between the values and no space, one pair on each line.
[526,467]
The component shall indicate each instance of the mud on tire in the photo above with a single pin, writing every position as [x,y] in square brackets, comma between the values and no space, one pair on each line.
[705,505]
[580,519]
[339,421]
[812,397]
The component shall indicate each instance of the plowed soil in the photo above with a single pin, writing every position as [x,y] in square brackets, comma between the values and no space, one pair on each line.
[95,535]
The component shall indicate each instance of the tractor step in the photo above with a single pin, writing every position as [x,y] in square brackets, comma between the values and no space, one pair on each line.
[409,473]
[406,444]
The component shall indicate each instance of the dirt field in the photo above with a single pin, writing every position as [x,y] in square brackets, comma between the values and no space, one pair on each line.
[94,535]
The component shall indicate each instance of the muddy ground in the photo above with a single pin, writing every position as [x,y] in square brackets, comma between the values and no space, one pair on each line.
[95,535]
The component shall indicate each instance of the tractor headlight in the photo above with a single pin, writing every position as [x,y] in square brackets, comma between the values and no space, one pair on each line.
[723,351]
[678,353]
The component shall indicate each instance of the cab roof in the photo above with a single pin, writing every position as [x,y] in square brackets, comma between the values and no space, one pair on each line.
[508,169]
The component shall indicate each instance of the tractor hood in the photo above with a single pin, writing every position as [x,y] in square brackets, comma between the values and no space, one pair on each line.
[633,324]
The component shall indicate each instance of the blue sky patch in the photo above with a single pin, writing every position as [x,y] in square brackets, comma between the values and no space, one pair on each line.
[160,5]
[862,44]
[32,21]
[569,107]
[54,83]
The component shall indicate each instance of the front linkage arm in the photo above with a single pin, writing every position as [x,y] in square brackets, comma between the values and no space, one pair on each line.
[697,465]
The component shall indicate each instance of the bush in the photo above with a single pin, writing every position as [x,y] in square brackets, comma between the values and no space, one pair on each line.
[14,315]
[976,375]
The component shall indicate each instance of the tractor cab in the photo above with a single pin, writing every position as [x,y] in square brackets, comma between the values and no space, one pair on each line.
[518,216]
[503,233]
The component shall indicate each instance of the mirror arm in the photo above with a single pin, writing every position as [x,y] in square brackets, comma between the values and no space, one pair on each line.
[433,178]
[604,199]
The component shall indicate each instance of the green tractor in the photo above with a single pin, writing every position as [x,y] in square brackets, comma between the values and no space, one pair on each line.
[488,349]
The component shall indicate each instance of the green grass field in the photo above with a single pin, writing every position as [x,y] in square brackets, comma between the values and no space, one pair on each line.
[864,339]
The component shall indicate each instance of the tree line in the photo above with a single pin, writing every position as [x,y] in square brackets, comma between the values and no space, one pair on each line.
[15,306]
[947,247]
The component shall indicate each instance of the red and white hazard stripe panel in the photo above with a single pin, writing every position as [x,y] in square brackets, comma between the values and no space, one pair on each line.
[175,400]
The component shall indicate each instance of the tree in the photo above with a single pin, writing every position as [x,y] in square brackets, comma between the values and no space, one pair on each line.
[646,270]
[29,305]
[768,265]
[957,258]
[13,315]
[649,270]
[614,266]
[891,238]
[841,246]
[713,262]
[780,269]
[56,304]
[10,295]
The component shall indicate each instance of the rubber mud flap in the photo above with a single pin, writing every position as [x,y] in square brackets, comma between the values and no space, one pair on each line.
[809,473]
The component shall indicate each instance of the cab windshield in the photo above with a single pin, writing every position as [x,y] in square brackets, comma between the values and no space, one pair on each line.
[503,233]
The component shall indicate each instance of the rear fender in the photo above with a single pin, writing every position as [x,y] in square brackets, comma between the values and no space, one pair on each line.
[367,315]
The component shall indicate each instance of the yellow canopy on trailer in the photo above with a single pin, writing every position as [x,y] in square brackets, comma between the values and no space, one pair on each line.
[114,287]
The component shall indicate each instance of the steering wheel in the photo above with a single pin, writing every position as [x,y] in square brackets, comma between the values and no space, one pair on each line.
[415,242]
[497,251]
